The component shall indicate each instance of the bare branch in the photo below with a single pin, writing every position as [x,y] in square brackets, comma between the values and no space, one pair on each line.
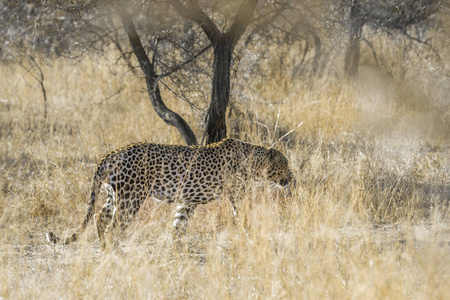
[423,42]
[169,116]
[177,68]
[195,14]
[39,79]
[241,21]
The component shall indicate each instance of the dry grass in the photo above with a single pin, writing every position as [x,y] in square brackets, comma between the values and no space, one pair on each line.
[369,217]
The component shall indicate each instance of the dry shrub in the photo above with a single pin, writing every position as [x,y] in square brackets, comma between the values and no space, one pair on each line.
[368,217]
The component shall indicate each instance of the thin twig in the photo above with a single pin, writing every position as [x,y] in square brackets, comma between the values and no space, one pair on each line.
[288,133]
[177,68]
[39,79]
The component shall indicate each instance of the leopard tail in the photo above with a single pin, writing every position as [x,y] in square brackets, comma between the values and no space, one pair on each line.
[52,238]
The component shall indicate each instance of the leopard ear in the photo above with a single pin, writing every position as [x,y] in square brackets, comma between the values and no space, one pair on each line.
[272,153]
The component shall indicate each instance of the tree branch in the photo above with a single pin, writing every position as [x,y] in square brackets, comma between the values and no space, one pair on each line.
[195,14]
[39,79]
[178,67]
[170,117]
[241,21]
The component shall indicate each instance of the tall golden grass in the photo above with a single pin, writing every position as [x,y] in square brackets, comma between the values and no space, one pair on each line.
[368,218]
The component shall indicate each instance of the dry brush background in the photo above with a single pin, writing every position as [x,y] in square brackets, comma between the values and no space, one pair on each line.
[369,217]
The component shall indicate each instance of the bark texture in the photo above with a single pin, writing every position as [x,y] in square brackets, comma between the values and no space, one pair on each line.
[223,44]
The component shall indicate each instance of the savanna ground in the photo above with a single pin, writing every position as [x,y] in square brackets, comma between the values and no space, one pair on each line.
[368,217]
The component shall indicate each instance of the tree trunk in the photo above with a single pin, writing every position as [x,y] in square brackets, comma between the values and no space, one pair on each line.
[317,54]
[223,44]
[151,79]
[352,53]
[216,129]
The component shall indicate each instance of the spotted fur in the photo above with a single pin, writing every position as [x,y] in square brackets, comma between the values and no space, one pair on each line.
[189,175]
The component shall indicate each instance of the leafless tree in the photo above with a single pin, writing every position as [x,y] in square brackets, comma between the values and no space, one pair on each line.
[223,43]
[390,16]
[152,30]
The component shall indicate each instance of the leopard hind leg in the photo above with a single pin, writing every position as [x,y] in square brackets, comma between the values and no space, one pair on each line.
[126,208]
[105,216]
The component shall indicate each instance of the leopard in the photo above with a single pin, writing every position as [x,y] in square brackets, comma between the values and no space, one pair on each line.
[186,175]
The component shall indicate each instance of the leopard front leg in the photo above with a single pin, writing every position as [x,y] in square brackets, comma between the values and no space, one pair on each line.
[233,207]
[184,211]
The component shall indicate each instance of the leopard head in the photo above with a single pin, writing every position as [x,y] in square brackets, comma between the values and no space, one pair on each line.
[278,168]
